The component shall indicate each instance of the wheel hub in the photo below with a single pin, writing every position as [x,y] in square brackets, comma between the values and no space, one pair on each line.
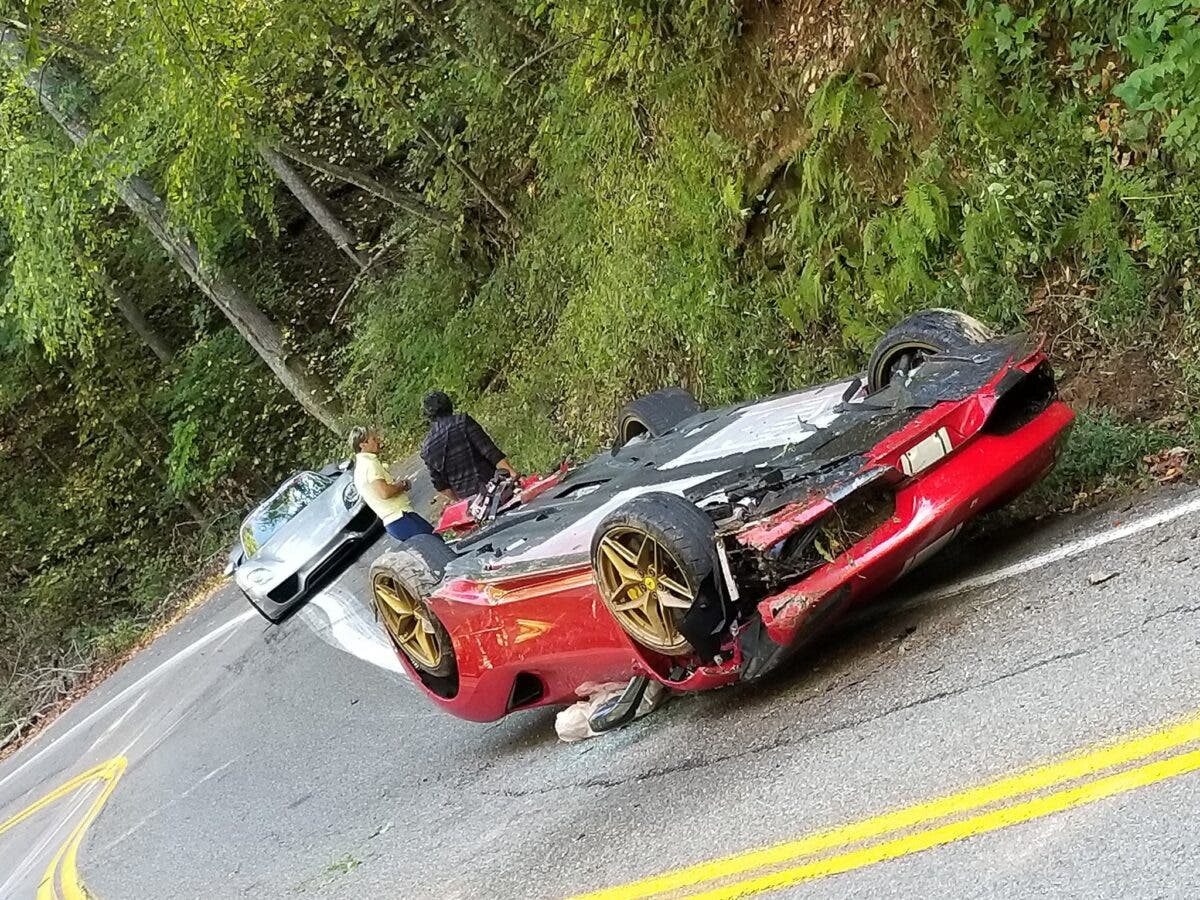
[407,621]
[907,359]
[644,586]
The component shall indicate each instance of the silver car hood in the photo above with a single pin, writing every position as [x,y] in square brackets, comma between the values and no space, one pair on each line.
[301,538]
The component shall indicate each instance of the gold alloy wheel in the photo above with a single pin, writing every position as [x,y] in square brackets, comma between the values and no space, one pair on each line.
[644,585]
[407,621]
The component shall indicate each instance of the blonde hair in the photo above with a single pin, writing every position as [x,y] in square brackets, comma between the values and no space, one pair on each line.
[357,437]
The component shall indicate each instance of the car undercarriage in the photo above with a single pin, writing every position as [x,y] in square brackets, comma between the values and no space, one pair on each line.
[712,550]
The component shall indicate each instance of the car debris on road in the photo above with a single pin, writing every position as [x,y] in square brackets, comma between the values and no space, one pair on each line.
[579,721]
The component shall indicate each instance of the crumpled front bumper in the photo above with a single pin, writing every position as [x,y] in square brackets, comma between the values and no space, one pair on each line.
[930,509]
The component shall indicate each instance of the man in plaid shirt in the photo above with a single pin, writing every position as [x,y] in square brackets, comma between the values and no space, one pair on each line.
[459,454]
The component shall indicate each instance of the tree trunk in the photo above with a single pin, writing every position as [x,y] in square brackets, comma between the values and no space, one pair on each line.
[48,84]
[159,344]
[314,203]
[405,200]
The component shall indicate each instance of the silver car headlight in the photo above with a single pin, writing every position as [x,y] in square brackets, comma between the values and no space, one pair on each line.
[258,576]
[350,495]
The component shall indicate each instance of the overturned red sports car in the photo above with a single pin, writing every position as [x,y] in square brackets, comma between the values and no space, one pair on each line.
[709,546]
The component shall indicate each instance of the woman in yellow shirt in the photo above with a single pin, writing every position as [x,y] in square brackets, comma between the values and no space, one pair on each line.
[389,499]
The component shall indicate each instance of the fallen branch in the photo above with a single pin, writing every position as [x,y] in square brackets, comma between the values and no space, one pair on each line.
[537,57]
[391,242]
[407,201]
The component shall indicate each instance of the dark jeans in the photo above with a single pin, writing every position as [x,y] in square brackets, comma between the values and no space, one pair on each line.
[407,526]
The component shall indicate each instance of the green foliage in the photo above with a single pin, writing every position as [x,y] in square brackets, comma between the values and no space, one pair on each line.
[1000,37]
[623,281]
[869,223]
[1102,453]
[631,41]
[1017,181]
[1104,448]
[231,422]
[46,212]
[186,98]
[1163,46]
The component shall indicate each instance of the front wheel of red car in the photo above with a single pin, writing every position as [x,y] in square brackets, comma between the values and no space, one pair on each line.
[401,582]
[653,559]
[910,342]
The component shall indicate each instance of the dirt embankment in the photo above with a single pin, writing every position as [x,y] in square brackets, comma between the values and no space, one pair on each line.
[1137,378]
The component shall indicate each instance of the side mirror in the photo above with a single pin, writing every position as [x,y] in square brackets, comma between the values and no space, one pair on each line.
[344,465]
[236,557]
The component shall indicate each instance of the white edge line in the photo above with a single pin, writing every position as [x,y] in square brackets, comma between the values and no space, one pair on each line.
[162,667]
[117,722]
[1065,551]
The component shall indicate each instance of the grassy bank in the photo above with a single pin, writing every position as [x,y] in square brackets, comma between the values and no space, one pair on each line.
[728,211]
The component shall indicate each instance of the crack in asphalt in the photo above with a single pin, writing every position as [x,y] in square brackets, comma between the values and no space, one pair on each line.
[1182,609]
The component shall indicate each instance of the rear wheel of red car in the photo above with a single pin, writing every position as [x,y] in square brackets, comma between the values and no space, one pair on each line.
[652,557]
[401,582]
[655,414]
[909,343]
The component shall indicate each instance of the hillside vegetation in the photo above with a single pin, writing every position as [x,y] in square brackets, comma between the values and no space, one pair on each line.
[273,218]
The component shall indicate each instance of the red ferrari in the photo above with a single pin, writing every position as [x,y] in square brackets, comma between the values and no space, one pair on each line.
[710,546]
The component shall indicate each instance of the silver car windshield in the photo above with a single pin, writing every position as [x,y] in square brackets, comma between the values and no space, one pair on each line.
[287,503]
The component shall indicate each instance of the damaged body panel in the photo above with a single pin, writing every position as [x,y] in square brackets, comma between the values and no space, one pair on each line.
[812,503]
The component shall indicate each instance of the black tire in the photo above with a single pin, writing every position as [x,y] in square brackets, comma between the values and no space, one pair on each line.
[417,565]
[905,345]
[654,414]
[688,534]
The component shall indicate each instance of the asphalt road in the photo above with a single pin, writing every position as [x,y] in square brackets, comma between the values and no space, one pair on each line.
[237,759]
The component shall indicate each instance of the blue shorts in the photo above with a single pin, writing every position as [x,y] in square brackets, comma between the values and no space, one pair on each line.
[407,525]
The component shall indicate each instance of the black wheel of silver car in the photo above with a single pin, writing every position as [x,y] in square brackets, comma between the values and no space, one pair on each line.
[654,414]
[652,558]
[909,343]
[401,582]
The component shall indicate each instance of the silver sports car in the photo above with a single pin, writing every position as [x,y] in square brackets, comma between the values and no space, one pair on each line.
[301,537]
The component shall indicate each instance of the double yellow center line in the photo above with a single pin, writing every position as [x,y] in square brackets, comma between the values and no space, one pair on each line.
[1084,778]
[61,880]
